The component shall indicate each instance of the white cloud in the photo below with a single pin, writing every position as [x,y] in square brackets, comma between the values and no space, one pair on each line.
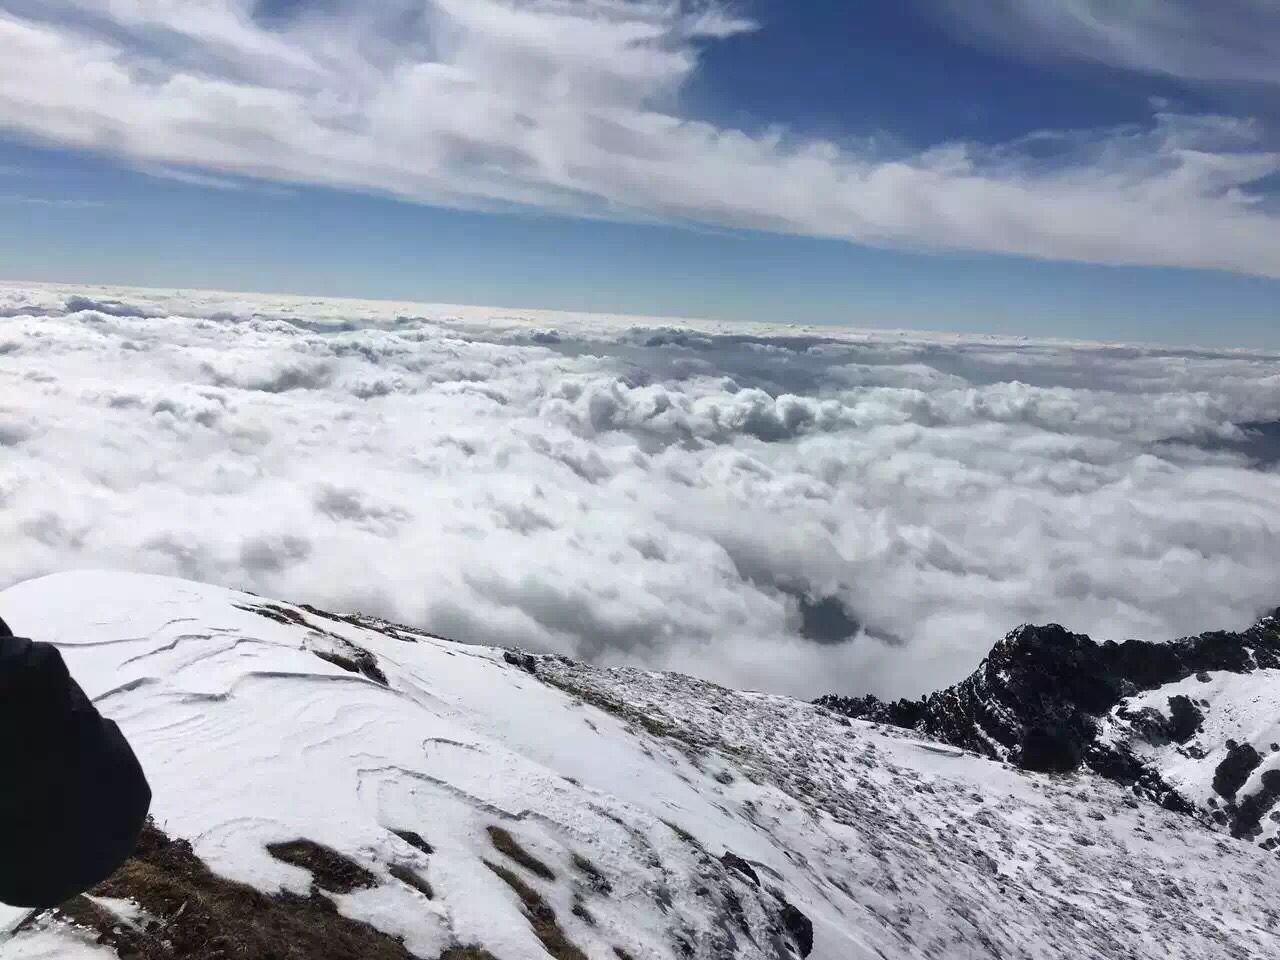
[190,177]
[573,106]
[681,497]
[1229,40]
[67,203]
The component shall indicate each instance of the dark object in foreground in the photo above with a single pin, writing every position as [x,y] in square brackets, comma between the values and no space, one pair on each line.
[73,799]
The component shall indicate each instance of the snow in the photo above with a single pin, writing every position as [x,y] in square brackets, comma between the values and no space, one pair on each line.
[1241,708]
[55,944]
[127,911]
[892,846]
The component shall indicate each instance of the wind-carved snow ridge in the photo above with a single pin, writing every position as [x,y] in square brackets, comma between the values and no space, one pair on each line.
[526,806]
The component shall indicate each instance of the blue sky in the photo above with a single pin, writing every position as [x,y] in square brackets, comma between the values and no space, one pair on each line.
[1046,167]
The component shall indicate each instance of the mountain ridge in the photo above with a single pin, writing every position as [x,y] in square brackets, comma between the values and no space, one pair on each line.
[1049,700]
[337,787]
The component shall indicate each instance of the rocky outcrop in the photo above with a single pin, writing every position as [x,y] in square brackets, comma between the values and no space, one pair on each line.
[1050,700]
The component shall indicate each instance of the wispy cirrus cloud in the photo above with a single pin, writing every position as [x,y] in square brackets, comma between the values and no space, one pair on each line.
[573,106]
[195,178]
[65,203]
[1227,40]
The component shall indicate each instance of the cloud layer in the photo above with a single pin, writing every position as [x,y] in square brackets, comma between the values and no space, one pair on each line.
[573,106]
[792,509]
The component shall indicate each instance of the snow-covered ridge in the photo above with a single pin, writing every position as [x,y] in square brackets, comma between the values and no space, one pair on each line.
[1193,724]
[1226,759]
[653,815]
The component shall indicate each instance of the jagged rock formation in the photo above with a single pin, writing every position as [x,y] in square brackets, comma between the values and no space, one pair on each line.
[1136,712]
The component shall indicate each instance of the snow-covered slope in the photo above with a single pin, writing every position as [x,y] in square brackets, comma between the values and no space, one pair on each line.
[1193,724]
[623,814]
[1226,760]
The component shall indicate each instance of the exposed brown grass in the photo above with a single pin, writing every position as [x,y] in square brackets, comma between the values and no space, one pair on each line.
[201,916]
[410,877]
[540,915]
[506,845]
[597,880]
[329,869]
[682,833]
[415,840]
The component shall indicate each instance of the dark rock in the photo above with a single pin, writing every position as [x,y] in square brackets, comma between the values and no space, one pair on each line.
[1230,775]
[1032,700]
[799,928]
[1148,723]
[735,862]
[1050,750]
[1038,697]
[355,660]
[525,661]
[1185,719]
[1252,808]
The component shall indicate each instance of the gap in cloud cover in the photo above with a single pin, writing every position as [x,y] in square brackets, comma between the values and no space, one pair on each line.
[766,506]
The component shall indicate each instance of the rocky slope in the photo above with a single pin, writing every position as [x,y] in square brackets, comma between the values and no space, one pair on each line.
[337,787]
[1193,724]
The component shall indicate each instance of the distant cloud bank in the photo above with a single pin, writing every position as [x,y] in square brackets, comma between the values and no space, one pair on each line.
[573,106]
[791,509]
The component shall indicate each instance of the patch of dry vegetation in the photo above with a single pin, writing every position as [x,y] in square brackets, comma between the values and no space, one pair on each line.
[412,878]
[329,869]
[415,840]
[540,915]
[201,916]
[597,880]
[506,845]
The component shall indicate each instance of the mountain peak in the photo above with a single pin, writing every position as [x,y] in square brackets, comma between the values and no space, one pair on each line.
[1137,712]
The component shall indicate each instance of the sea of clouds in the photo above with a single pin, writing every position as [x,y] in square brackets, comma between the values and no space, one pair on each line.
[796,509]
